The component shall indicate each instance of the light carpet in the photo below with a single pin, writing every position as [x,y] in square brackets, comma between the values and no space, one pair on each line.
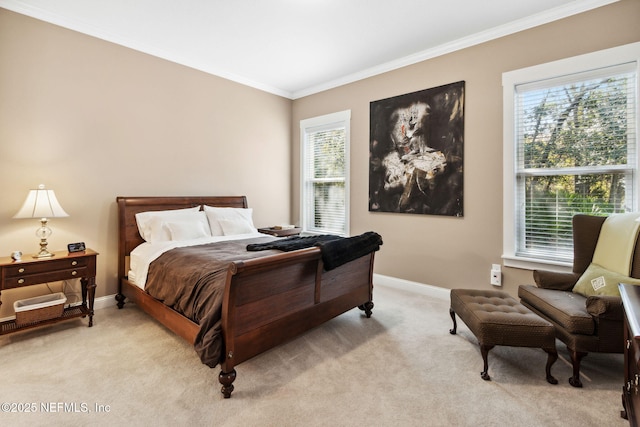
[401,367]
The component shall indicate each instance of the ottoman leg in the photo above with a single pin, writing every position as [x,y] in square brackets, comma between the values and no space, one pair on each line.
[453,317]
[551,359]
[484,349]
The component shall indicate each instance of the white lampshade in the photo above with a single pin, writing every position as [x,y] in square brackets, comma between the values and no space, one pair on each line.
[41,203]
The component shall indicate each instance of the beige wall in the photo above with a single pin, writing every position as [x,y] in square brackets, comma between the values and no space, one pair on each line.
[445,251]
[93,120]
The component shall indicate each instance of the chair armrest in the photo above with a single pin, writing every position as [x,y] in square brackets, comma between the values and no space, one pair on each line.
[605,307]
[555,280]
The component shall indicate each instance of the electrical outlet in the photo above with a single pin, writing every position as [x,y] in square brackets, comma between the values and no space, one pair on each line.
[496,275]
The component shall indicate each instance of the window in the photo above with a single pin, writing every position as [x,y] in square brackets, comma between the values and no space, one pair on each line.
[570,138]
[325,172]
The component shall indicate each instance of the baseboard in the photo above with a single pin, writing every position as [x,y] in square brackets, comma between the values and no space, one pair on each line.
[104,302]
[407,285]
[378,280]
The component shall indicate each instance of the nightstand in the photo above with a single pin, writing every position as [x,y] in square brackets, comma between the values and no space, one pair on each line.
[279,232]
[62,266]
[630,295]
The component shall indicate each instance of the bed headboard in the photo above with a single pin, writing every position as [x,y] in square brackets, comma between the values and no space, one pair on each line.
[128,207]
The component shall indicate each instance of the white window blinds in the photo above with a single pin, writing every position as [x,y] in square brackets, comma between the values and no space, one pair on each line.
[324,173]
[575,152]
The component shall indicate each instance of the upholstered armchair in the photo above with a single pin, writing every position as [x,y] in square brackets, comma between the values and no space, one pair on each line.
[584,323]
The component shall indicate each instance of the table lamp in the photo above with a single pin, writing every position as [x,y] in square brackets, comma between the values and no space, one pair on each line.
[41,204]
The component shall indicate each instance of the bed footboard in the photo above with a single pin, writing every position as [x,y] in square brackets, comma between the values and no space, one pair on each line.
[271,300]
[267,301]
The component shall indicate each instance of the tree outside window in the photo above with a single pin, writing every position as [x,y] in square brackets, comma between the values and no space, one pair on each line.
[575,139]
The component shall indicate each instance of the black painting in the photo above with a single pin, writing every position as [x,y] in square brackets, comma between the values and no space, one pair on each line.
[416,152]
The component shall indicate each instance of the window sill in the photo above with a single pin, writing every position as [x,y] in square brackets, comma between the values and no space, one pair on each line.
[536,264]
[320,233]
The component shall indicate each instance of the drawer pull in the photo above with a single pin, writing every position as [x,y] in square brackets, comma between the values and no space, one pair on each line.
[21,270]
[73,273]
[21,281]
[74,262]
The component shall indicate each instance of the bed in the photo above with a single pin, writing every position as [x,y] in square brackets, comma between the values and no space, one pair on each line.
[266,300]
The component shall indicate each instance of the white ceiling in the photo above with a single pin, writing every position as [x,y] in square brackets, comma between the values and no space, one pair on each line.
[295,48]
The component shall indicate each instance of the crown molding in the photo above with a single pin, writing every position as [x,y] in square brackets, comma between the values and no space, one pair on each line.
[102,34]
[551,15]
[532,21]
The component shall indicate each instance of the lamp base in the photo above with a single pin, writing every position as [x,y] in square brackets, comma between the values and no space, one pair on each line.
[44,252]
[44,255]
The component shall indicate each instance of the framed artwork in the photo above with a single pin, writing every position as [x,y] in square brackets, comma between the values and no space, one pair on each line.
[416,152]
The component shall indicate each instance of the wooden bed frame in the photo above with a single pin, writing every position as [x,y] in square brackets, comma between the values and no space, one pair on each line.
[267,301]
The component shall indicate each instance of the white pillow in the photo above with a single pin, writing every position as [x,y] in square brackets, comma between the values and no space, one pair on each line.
[144,219]
[231,227]
[236,219]
[187,230]
[160,232]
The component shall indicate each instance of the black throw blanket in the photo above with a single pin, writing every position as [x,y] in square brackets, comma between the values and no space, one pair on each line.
[335,250]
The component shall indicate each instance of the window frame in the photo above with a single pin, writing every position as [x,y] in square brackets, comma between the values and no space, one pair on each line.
[324,122]
[510,80]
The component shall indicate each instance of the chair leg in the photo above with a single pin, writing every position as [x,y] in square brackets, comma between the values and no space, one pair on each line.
[576,358]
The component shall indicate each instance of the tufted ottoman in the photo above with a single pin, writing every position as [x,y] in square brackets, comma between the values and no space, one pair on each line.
[495,318]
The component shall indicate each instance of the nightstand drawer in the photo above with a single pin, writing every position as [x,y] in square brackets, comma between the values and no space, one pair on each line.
[48,266]
[49,276]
